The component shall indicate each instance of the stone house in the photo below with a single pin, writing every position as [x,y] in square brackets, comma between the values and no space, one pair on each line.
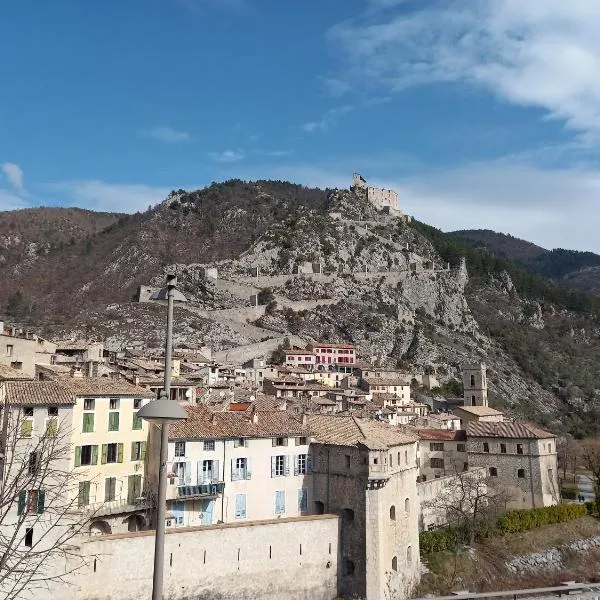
[394,387]
[232,466]
[366,472]
[486,414]
[442,452]
[520,459]
[22,350]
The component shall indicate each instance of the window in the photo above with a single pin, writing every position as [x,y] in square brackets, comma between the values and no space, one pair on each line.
[409,554]
[405,457]
[240,506]
[521,473]
[502,448]
[112,453]
[347,515]
[110,489]
[34,463]
[32,501]
[89,404]
[472,400]
[137,422]
[302,500]
[28,537]
[301,441]
[486,447]
[280,441]
[26,429]
[347,567]
[301,464]
[113,421]
[88,422]
[209,445]
[113,404]
[240,443]
[472,380]
[278,466]
[393,512]
[493,472]
[86,455]
[53,411]
[179,448]
[391,460]
[436,446]
[138,450]
[28,411]
[9,349]
[240,469]
[407,505]
[83,497]
[549,447]
[137,403]
[398,458]
[519,448]
[436,463]
[348,461]
[395,563]
[51,426]
[279,502]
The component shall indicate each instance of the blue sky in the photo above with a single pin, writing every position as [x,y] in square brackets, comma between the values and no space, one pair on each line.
[481,113]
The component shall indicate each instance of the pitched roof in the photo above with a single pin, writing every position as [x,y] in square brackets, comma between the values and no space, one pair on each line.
[383,381]
[450,435]
[47,393]
[8,373]
[102,386]
[480,411]
[507,429]
[202,423]
[347,430]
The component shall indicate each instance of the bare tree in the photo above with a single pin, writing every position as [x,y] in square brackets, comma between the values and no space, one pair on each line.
[590,457]
[39,516]
[468,501]
[568,453]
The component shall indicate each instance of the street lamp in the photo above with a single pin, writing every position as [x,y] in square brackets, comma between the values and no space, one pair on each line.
[161,412]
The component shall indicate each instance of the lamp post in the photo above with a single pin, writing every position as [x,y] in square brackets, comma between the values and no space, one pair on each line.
[161,412]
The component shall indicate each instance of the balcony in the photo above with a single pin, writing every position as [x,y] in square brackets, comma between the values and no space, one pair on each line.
[203,490]
[115,507]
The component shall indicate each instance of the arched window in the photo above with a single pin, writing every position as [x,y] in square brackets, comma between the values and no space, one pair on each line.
[472,380]
[406,505]
[347,515]
[472,400]
[409,554]
[391,461]
[347,566]
[398,458]
[395,563]
[393,512]
[406,457]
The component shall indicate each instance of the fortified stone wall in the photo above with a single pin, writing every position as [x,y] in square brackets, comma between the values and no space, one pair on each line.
[294,558]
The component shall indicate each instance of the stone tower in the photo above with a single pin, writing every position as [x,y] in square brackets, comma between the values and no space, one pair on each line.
[475,385]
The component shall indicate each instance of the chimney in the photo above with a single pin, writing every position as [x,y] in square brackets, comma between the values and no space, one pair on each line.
[304,419]
[136,380]
[76,373]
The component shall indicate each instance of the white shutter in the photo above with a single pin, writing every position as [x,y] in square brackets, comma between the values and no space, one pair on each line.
[273,465]
[234,473]
[248,468]
[287,465]
[216,473]
[295,464]
[188,472]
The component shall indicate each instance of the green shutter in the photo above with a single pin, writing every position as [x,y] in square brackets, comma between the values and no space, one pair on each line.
[26,428]
[113,421]
[52,426]
[88,422]
[77,456]
[104,454]
[133,457]
[94,460]
[143,454]
[137,422]
[22,500]
[120,453]
[40,501]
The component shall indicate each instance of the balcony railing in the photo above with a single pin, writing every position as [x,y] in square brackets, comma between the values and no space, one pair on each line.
[203,489]
[116,507]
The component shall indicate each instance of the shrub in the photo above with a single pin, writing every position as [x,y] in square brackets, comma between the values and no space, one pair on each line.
[523,520]
[568,493]
[440,540]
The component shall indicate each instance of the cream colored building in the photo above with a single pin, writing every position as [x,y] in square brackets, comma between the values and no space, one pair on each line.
[395,387]
[236,466]
[442,452]
[468,414]
[21,350]
[109,451]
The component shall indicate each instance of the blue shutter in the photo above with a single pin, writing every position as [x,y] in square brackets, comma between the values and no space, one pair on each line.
[302,500]
[240,506]
[279,502]
[178,511]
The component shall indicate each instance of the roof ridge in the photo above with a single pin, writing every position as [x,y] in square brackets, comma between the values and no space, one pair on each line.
[359,426]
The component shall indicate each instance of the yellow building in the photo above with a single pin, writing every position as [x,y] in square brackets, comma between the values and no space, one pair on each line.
[109,451]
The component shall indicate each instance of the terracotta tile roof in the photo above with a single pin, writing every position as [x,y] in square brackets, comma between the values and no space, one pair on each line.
[202,423]
[72,345]
[47,393]
[159,381]
[450,435]
[239,406]
[102,386]
[8,373]
[265,403]
[346,430]
[507,429]
[480,411]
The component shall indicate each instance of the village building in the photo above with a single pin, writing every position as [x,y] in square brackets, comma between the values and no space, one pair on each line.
[468,414]
[21,350]
[442,452]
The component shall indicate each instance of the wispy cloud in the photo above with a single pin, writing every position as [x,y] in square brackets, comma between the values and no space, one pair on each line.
[111,197]
[334,86]
[539,53]
[165,134]
[227,156]
[14,175]
[200,6]
[10,200]
[332,115]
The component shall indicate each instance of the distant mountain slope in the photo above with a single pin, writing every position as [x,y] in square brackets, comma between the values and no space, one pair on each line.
[579,270]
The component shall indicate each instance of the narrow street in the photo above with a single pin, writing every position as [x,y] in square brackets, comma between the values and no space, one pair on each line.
[585,487]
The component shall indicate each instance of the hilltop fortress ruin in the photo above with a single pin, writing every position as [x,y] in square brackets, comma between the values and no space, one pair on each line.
[382,199]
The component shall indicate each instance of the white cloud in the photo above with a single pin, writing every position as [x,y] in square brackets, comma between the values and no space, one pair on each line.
[313,126]
[165,134]
[14,174]
[335,86]
[10,201]
[539,53]
[110,197]
[227,156]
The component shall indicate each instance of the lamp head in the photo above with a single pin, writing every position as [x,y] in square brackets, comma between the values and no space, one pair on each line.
[162,410]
